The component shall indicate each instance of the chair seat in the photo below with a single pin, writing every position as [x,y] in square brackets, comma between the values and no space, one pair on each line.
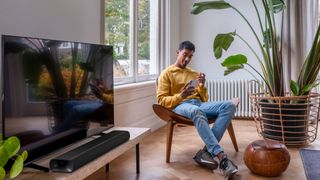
[168,115]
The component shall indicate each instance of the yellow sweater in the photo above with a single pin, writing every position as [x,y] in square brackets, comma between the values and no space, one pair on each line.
[171,82]
[107,98]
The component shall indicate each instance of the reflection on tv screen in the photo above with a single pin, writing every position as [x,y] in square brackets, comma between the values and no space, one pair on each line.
[53,88]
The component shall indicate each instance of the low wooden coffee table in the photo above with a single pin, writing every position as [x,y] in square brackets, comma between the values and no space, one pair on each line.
[136,136]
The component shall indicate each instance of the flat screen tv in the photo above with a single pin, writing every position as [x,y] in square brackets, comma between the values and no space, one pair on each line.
[55,92]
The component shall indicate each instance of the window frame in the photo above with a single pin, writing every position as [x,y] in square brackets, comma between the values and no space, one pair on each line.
[133,50]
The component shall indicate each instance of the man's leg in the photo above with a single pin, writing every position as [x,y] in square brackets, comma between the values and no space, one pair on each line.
[224,111]
[200,121]
[79,111]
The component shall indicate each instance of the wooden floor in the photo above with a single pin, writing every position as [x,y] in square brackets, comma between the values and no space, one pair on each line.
[186,143]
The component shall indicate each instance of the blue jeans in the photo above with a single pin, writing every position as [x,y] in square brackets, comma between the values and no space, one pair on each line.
[199,112]
[77,110]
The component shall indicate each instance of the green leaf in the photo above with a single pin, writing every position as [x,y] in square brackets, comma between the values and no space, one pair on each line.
[201,6]
[238,59]
[233,68]
[278,5]
[12,144]
[294,88]
[267,36]
[306,89]
[217,52]
[1,139]
[24,155]
[310,68]
[222,41]
[2,173]
[16,167]
[4,156]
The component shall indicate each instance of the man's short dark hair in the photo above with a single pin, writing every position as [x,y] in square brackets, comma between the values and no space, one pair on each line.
[187,45]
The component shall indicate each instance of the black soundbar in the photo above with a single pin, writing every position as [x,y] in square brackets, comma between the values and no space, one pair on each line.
[74,159]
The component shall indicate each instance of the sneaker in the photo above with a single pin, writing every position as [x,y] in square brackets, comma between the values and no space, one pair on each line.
[228,168]
[203,158]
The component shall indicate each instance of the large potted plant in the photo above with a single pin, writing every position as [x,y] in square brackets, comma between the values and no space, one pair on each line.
[285,116]
[9,149]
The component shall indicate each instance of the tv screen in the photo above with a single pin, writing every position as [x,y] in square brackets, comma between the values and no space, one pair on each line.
[55,92]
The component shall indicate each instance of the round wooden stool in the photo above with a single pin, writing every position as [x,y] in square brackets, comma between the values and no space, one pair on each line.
[266,158]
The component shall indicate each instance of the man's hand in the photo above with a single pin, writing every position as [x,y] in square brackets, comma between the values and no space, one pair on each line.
[96,90]
[201,79]
[100,85]
[187,90]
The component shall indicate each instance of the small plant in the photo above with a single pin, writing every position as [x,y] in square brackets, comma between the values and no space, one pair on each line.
[9,149]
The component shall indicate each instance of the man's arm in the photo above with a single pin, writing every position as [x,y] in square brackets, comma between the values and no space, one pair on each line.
[100,92]
[163,93]
[202,90]
[203,93]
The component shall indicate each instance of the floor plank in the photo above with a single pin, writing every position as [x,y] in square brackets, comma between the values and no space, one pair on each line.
[186,143]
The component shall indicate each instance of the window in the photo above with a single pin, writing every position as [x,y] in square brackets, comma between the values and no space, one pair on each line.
[131,27]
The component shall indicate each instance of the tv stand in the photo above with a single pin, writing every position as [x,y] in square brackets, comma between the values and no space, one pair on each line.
[136,136]
[38,167]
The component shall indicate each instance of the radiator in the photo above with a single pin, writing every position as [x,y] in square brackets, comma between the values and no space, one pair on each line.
[220,90]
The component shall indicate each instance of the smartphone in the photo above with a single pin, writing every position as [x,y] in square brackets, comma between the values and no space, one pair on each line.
[192,83]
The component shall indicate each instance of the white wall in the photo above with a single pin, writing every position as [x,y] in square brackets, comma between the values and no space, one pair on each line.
[133,106]
[201,30]
[76,20]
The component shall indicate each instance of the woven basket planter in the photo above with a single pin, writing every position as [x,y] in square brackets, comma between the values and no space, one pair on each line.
[292,120]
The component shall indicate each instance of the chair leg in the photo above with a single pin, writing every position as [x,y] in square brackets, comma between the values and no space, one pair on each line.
[233,137]
[170,126]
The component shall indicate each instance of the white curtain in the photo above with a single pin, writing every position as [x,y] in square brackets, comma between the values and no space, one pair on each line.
[300,23]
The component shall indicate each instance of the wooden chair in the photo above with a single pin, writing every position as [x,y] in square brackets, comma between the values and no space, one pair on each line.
[173,119]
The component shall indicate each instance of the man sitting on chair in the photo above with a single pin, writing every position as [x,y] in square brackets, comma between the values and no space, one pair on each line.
[182,89]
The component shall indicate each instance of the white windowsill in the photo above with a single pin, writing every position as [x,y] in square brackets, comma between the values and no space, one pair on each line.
[134,85]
